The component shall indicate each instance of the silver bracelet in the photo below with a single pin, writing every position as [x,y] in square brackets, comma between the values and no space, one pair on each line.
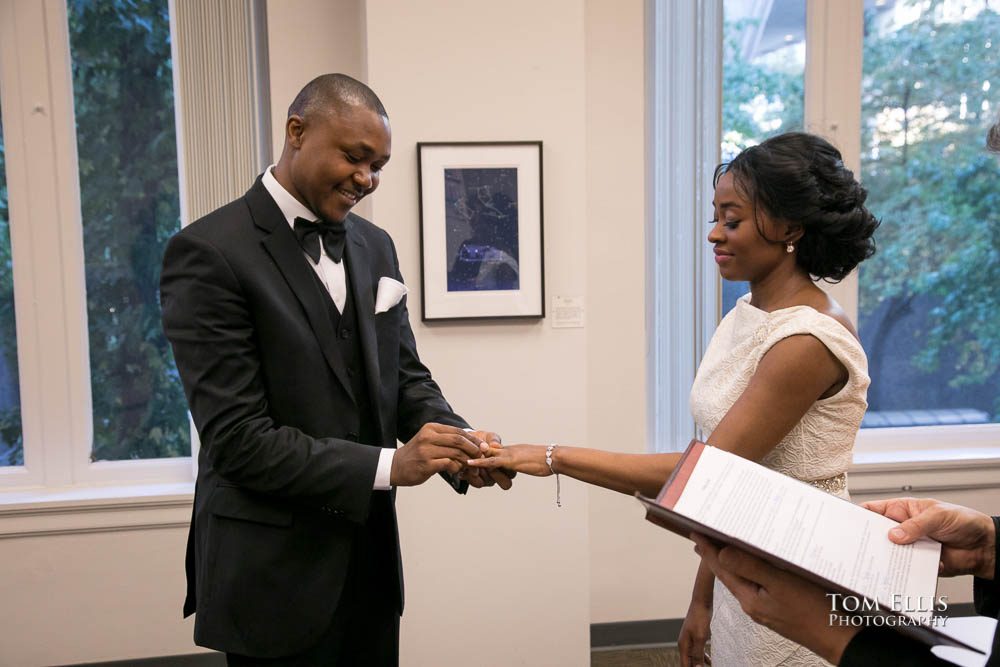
[548,461]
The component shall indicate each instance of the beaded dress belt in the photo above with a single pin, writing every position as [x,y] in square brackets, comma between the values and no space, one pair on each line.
[834,484]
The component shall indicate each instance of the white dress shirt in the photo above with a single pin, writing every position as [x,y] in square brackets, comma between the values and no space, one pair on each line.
[331,274]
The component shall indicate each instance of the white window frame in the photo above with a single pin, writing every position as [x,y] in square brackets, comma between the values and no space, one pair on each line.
[47,246]
[683,92]
[36,90]
[834,67]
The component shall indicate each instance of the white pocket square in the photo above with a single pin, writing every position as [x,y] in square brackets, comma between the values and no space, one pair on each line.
[390,292]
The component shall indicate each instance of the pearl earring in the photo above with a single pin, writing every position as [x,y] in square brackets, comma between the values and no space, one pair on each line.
[789,248]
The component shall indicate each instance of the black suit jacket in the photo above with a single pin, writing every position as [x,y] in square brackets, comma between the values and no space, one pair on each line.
[283,483]
[880,646]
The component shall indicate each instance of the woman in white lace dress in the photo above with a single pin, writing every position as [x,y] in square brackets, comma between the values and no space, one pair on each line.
[784,379]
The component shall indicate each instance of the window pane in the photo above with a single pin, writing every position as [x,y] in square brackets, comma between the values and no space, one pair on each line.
[763,76]
[929,303]
[123,94]
[11,447]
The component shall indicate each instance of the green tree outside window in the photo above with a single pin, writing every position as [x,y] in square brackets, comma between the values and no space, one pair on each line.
[123,94]
[930,308]
[11,446]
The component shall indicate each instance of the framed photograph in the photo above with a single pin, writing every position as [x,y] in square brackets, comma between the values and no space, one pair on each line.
[481,230]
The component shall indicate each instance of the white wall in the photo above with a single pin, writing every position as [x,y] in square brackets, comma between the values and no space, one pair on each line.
[511,563]
[113,595]
[508,565]
[307,38]
[637,571]
[92,597]
[530,576]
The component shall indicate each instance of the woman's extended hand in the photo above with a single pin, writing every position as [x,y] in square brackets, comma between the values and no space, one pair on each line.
[529,459]
[694,634]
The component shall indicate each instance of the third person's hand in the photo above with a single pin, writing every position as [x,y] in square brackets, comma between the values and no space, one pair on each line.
[967,537]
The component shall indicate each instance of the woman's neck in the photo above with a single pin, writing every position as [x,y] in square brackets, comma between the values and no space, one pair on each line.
[783,287]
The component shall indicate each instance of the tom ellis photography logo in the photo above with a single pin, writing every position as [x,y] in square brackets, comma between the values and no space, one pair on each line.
[857,611]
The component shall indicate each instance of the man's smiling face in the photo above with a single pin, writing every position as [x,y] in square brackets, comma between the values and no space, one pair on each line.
[338,158]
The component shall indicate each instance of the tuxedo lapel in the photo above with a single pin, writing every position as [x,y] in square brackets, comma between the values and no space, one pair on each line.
[281,244]
[359,268]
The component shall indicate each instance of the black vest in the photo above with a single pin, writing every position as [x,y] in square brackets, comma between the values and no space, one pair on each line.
[379,549]
[347,332]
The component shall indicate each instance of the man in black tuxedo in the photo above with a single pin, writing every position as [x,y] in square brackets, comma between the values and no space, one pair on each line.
[288,321]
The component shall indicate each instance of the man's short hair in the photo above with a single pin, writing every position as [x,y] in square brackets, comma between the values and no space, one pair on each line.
[993,138]
[334,92]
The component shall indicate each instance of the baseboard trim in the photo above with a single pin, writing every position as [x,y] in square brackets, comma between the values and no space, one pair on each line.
[635,633]
[189,660]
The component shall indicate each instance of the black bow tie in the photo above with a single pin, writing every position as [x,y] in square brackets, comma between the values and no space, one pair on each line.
[309,233]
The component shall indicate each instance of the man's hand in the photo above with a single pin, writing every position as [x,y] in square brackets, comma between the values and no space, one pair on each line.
[779,600]
[967,537]
[479,478]
[435,448]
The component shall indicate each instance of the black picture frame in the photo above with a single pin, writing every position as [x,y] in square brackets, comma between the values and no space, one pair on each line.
[481,230]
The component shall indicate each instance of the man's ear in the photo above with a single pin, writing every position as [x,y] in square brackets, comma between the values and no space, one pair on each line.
[294,127]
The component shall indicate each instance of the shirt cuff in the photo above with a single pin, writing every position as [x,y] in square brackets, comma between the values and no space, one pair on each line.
[383,474]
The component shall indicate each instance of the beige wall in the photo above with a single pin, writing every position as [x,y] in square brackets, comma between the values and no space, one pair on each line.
[530,576]
[637,571]
[515,565]
[92,597]
[307,38]
[511,566]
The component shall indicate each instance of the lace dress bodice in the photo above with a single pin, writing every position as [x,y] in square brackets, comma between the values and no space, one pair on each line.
[818,448]
[820,445]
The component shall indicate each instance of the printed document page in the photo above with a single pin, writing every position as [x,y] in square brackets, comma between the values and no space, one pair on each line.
[837,540]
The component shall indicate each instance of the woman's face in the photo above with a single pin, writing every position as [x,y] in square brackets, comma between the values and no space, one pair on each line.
[741,252]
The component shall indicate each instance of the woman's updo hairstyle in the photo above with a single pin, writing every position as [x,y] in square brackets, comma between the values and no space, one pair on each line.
[801,179]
